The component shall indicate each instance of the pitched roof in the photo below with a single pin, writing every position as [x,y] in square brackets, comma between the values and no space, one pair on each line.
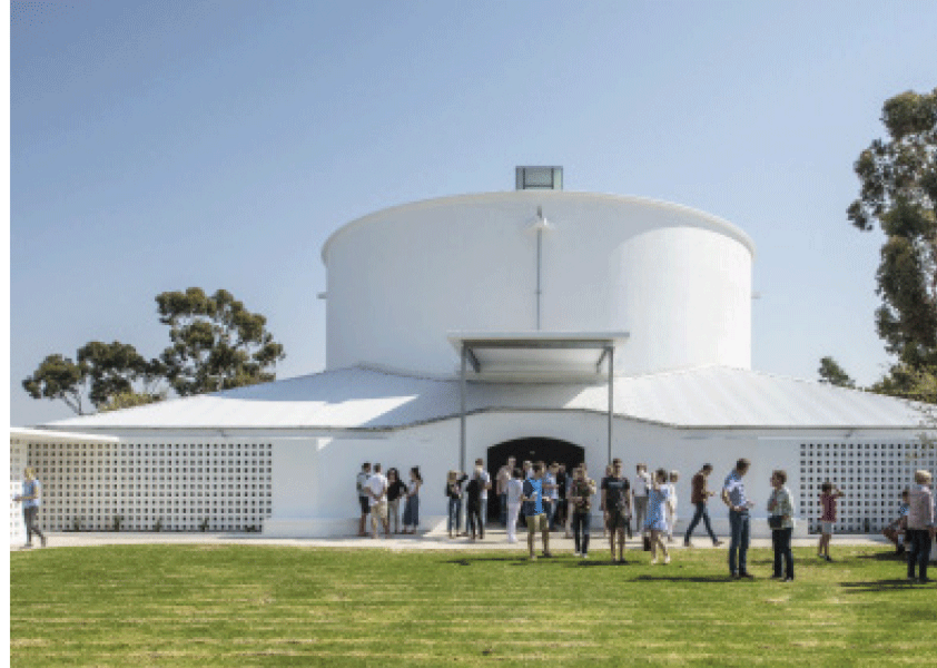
[361,398]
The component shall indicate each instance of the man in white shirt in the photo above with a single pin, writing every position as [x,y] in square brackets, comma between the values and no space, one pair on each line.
[377,494]
[484,479]
[504,476]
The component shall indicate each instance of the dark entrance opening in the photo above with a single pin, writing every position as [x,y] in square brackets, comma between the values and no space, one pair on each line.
[535,448]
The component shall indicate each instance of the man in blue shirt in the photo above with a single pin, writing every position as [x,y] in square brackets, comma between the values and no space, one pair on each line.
[533,511]
[733,495]
[31,499]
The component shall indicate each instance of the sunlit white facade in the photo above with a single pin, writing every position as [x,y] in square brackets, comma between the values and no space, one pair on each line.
[666,288]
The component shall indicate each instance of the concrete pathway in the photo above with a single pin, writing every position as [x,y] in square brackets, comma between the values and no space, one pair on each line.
[495,539]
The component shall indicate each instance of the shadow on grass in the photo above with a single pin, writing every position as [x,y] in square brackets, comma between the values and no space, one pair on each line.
[703,579]
[900,586]
[516,560]
[882,556]
[522,559]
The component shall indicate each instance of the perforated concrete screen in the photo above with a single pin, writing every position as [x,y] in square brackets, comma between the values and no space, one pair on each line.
[181,486]
[872,475]
[17,465]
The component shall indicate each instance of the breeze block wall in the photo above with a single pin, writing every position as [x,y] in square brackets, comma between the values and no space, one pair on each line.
[184,484]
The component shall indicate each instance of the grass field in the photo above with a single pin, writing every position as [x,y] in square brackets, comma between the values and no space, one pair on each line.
[218,605]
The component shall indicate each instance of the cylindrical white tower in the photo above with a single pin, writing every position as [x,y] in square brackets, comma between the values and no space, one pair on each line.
[677,280]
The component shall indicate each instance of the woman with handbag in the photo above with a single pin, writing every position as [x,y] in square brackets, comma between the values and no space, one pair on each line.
[781,521]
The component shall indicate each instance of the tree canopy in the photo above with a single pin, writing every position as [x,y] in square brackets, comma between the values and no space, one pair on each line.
[831,372]
[216,344]
[898,179]
[102,371]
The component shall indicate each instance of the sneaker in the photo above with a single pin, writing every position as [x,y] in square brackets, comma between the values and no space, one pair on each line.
[585,556]
[576,554]
[654,561]
[827,557]
[547,555]
[687,543]
[717,543]
[667,559]
[747,576]
[925,581]
[788,579]
[533,557]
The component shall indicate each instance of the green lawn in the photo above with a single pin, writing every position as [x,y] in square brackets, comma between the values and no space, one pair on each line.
[218,605]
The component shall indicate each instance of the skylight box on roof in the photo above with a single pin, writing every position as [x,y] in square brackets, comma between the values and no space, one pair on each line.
[539,178]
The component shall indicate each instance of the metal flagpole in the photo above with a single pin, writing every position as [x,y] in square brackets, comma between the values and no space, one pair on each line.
[462,410]
[611,397]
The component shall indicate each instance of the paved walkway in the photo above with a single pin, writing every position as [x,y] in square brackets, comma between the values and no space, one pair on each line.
[495,539]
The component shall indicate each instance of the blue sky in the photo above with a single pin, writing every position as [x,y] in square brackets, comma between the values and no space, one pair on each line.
[157,145]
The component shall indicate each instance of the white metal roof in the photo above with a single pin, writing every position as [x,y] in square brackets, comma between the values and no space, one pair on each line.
[368,399]
[50,436]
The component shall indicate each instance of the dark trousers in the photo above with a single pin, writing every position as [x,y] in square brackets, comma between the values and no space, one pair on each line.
[30,519]
[474,520]
[781,542]
[918,552]
[740,525]
[702,513]
[582,523]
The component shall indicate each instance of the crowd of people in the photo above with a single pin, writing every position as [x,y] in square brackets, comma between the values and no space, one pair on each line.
[544,498]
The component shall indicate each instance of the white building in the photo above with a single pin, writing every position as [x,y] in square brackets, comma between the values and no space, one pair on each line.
[538,322]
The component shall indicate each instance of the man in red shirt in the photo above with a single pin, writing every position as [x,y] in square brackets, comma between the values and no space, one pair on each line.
[698,498]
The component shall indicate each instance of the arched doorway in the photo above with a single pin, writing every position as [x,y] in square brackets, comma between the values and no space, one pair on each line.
[533,448]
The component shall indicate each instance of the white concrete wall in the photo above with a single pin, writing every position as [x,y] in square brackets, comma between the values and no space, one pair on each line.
[399,280]
[329,505]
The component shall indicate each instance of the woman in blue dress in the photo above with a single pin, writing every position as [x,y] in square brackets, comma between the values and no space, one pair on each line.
[656,523]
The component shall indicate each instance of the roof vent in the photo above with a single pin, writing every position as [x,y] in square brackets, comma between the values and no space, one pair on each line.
[539,178]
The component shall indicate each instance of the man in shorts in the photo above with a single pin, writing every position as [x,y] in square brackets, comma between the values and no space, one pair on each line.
[363,499]
[377,495]
[533,511]
[616,503]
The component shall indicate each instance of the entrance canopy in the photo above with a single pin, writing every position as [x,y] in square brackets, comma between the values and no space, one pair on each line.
[538,355]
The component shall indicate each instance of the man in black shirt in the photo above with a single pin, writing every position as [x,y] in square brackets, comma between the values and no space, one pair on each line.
[616,501]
